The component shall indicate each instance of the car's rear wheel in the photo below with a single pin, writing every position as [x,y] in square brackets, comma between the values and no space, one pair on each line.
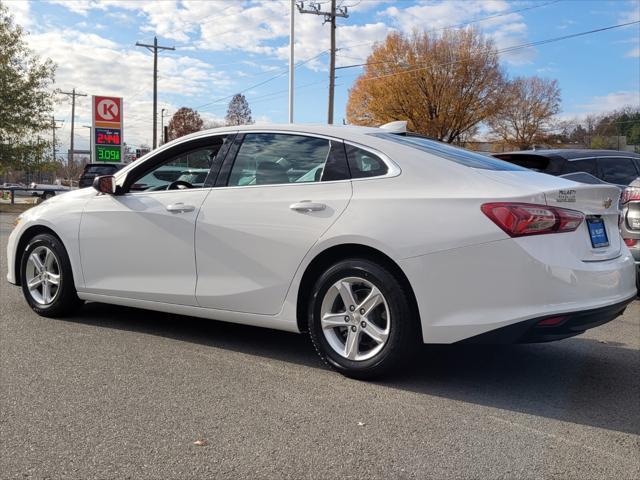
[47,279]
[360,319]
[47,195]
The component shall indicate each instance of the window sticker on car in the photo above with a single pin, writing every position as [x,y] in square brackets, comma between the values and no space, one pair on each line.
[566,196]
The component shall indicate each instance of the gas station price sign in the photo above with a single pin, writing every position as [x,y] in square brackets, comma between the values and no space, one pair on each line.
[108,153]
[107,136]
[106,140]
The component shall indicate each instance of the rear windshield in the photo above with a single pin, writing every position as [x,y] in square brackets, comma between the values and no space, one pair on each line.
[455,154]
[99,169]
[532,162]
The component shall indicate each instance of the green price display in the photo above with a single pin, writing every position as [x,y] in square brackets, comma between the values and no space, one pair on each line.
[107,153]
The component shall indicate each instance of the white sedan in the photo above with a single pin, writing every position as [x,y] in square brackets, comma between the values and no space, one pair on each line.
[371,241]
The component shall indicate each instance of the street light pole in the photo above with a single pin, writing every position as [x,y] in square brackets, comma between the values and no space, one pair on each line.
[291,51]
[164,140]
[90,133]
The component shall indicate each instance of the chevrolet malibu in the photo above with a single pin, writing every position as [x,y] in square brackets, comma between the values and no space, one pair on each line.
[371,241]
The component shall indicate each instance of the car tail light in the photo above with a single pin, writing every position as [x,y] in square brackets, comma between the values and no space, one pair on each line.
[522,219]
[630,242]
[630,194]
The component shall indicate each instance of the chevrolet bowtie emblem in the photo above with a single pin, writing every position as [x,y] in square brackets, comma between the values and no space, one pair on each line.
[607,202]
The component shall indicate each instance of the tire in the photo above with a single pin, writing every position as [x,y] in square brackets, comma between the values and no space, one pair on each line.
[47,195]
[46,298]
[393,318]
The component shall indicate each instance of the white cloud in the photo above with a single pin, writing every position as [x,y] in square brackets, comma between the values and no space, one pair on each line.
[633,53]
[81,7]
[609,102]
[631,15]
[506,29]
[21,11]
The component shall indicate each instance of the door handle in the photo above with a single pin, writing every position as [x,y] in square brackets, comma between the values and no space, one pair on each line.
[180,208]
[307,206]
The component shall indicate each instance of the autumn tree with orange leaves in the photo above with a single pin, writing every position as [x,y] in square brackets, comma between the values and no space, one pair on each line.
[443,85]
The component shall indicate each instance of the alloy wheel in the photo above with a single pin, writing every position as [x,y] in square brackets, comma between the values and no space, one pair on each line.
[43,275]
[355,318]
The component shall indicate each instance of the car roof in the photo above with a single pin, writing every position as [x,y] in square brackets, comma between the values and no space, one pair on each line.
[347,132]
[573,153]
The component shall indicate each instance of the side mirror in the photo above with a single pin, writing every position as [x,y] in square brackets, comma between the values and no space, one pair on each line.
[105,184]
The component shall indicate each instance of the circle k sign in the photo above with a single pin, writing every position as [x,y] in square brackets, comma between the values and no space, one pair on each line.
[107,109]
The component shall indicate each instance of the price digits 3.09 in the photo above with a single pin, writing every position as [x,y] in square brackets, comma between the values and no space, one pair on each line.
[104,154]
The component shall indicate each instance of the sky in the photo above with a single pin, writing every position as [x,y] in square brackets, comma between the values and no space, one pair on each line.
[223,47]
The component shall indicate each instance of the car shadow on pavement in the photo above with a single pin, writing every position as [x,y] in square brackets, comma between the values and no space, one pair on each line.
[578,380]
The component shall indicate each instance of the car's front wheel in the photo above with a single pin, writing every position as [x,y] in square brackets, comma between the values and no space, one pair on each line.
[46,277]
[360,319]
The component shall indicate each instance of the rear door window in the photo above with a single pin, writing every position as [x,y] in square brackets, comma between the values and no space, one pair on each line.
[621,171]
[281,158]
[364,164]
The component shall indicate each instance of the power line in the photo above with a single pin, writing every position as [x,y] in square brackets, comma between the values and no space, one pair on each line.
[276,94]
[504,50]
[280,74]
[478,20]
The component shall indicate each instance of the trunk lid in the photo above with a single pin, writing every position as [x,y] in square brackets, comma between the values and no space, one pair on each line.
[599,203]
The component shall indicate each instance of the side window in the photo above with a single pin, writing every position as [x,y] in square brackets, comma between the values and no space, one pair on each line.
[364,164]
[188,169]
[277,158]
[587,165]
[621,171]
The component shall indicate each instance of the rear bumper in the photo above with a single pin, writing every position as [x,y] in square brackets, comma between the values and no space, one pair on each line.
[465,292]
[569,325]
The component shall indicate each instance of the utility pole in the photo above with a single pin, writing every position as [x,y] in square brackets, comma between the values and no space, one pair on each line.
[54,127]
[291,51]
[314,8]
[73,96]
[154,48]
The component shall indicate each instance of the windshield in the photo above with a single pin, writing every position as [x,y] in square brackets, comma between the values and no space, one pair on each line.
[455,154]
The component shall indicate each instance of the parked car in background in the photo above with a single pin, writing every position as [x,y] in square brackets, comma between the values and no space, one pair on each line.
[93,170]
[371,241]
[46,190]
[630,222]
[611,166]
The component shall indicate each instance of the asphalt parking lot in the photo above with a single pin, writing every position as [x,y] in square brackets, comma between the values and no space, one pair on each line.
[123,393]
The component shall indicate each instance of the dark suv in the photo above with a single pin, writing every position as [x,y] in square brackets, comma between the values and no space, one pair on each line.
[93,170]
[611,166]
